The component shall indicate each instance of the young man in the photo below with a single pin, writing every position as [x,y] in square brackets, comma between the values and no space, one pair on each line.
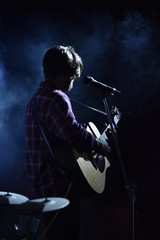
[47,177]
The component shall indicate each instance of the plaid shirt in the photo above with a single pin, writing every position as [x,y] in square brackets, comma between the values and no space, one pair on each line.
[55,112]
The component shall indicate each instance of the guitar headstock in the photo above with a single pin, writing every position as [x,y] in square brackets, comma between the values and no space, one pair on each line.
[116,115]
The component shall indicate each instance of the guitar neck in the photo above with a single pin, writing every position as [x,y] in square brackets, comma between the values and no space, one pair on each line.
[103,136]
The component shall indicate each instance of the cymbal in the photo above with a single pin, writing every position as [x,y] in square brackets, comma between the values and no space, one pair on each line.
[41,205]
[9,198]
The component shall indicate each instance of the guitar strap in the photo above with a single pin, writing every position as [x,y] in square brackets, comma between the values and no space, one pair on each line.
[38,122]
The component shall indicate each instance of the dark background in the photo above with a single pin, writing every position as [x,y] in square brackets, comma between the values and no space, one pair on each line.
[119,43]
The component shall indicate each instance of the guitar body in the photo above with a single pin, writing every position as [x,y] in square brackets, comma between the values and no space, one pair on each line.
[96,177]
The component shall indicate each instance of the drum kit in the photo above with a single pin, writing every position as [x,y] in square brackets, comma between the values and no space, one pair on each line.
[28,224]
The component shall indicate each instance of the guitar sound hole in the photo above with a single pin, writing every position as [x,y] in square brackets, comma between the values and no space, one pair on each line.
[100,163]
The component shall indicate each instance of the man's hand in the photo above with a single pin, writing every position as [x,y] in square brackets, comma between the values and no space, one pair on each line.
[102,148]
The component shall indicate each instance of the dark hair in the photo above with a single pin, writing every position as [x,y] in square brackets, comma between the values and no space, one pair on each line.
[61,59]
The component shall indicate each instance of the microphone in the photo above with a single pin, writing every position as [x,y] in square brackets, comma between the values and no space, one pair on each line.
[101,86]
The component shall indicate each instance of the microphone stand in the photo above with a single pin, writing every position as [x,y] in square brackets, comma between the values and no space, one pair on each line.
[130,188]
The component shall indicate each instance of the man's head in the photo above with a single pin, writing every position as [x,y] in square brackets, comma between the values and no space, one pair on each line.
[61,61]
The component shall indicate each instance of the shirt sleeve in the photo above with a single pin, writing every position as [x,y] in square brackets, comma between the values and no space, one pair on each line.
[64,125]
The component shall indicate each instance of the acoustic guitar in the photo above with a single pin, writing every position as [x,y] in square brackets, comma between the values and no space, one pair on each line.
[92,166]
